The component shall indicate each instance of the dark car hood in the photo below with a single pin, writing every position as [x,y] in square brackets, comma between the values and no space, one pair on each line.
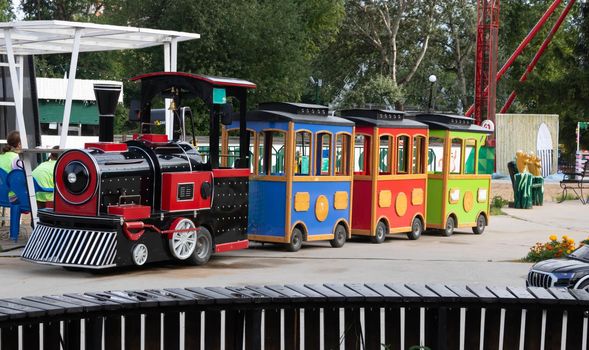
[561,265]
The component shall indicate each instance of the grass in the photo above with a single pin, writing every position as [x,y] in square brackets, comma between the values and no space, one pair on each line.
[568,197]
[497,203]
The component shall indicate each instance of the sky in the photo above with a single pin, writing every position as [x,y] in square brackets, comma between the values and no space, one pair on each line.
[17,11]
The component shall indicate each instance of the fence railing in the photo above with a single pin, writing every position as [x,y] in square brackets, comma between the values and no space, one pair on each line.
[329,316]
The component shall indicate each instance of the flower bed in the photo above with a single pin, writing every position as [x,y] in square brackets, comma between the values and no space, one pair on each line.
[552,249]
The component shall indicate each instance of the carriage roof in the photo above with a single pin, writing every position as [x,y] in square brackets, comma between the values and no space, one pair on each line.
[381,118]
[438,121]
[296,112]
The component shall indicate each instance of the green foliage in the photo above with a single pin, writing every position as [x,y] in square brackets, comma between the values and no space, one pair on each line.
[379,90]
[497,203]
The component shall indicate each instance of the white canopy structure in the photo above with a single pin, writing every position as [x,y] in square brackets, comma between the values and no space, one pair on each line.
[18,39]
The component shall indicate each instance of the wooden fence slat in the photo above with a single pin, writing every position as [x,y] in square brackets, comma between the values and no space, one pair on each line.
[272,329]
[453,328]
[553,328]
[412,326]
[133,332]
[533,329]
[212,329]
[353,331]
[72,334]
[575,328]
[192,334]
[372,325]
[253,327]
[312,332]
[492,328]
[172,330]
[9,337]
[392,329]
[112,331]
[472,331]
[513,317]
[153,324]
[331,331]
[30,336]
[292,330]
[436,332]
[234,321]
[93,333]
[51,336]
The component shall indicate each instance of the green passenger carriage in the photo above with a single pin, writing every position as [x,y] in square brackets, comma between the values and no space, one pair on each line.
[457,195]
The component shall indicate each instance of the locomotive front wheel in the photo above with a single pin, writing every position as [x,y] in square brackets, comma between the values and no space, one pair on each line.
[339,236]
[296,240]
[380,234]
[450,225]
[416,229]
[182,244]
[481,224]
[204,247]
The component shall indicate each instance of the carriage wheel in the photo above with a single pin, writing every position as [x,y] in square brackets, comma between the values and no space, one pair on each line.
[183,244]
[481,224]
[339,236]
[296,240]
[416,229]
[204,247]
[140,254]
[450,226]
[380,234]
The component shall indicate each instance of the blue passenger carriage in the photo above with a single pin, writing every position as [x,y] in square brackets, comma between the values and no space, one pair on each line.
[301,181]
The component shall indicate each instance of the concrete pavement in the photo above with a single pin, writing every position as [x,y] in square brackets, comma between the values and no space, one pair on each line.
[492,259]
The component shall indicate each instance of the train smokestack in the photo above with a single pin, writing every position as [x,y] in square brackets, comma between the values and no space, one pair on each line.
[107,98]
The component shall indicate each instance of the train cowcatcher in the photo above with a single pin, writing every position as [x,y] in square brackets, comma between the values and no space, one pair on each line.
[149,199]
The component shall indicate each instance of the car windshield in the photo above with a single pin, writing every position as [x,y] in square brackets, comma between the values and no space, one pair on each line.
[582,253]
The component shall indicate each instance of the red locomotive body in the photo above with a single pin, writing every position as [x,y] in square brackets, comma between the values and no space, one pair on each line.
[149,199]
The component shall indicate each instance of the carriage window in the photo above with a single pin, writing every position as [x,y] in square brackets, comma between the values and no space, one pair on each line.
[402,154]
[271,153]
[456,156]
[435,155]
[385,155]
[303,153]
[230,155]
[362,155]
[342,155]
[323,166]
[470,148]
[418,155]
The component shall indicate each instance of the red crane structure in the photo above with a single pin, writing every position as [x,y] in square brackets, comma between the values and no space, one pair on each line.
[486,56]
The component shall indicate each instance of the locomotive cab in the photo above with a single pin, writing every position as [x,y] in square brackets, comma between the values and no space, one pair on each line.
[151,198]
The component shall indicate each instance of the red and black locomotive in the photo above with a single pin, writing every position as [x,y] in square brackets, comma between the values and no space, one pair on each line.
[150,199]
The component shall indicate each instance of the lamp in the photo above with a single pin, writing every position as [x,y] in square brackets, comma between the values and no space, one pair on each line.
[432,79]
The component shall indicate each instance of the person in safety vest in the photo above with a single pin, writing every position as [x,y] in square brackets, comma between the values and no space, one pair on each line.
[9,159]
[43,174]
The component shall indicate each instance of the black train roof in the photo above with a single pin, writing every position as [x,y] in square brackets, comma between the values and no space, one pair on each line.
[439,121]
[381,118]
[295,112]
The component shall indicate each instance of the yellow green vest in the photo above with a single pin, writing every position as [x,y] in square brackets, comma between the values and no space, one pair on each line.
[6,161]
[44,176]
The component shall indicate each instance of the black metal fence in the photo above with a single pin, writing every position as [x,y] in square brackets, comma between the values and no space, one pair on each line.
[330,316]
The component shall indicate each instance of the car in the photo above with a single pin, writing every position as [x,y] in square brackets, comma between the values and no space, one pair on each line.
[572,271]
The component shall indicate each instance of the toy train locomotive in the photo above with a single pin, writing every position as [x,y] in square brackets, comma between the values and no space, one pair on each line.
[295,174]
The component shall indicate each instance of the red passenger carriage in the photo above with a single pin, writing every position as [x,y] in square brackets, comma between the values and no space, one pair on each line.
[390,180]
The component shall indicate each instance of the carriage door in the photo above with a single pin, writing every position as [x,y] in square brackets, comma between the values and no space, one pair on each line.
[544,149]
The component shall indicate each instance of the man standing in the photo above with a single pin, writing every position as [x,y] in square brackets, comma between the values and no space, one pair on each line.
[43,174]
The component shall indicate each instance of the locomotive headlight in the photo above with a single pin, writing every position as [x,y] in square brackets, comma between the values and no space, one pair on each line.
[76,177]
[71,178]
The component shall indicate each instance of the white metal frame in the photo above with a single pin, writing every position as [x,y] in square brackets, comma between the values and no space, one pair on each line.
[18,39]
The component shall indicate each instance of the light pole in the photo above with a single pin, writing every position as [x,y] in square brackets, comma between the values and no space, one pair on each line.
[318,84]
[432,79]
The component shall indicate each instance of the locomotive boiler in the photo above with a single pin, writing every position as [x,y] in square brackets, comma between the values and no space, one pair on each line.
[151,198]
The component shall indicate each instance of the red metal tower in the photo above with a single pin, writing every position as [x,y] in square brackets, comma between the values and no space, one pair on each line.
[486,60]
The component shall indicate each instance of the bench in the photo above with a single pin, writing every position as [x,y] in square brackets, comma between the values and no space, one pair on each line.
[577,182]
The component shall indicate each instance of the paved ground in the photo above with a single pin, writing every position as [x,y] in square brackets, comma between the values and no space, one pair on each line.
[463,258]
